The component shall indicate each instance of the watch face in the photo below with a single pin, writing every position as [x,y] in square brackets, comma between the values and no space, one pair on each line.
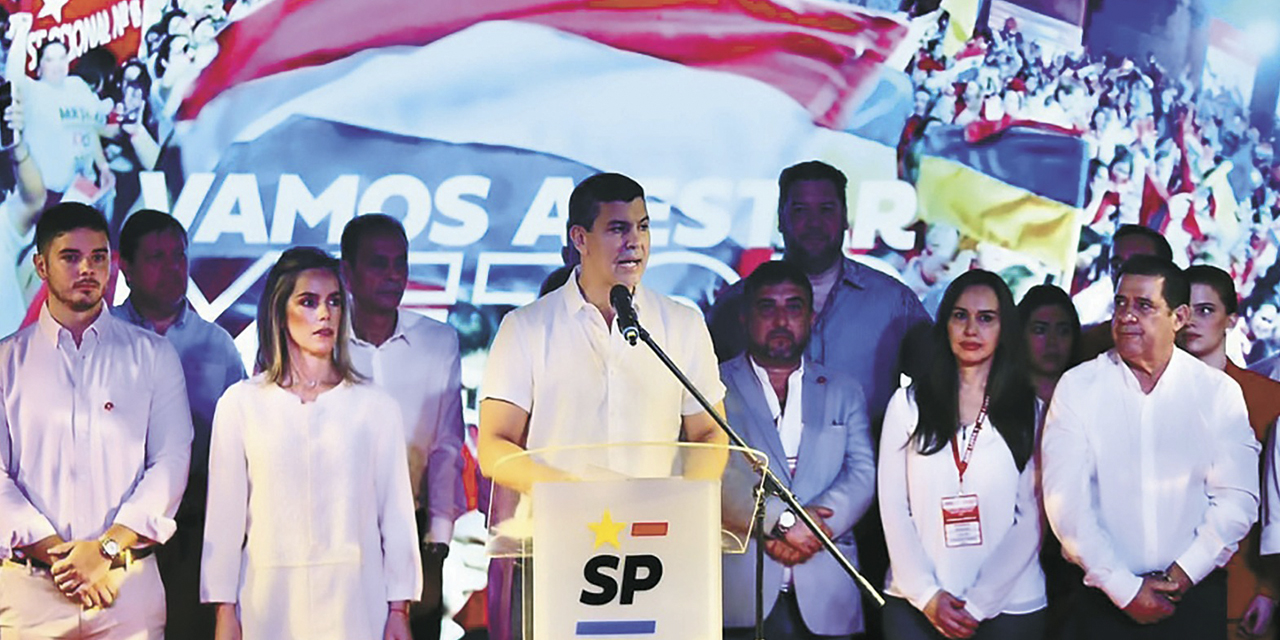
[787,519]
[111,548]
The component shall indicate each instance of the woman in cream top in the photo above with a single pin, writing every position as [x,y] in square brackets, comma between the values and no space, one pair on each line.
[310,530]
[963,554]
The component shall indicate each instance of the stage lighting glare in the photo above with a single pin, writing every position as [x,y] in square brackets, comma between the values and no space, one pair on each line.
[1263,37]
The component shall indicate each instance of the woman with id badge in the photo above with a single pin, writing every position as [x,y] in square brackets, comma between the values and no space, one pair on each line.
[957,479]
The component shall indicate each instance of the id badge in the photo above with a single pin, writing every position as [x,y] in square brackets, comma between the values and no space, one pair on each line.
[961,524]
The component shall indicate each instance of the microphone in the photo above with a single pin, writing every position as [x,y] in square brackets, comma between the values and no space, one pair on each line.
[628,323]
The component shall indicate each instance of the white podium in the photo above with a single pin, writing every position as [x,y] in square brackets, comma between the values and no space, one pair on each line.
[630,546]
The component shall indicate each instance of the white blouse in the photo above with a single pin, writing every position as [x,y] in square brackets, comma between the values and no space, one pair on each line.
[911,489]
[310,525]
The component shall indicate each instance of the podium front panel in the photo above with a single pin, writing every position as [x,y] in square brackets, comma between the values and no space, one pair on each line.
[631,558]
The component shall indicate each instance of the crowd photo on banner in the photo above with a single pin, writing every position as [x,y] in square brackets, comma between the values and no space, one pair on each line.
[922,254]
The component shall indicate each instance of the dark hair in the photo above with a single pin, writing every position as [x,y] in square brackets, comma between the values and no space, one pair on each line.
[273,330]
[165,50]
[602,187]
[776,272]
[1012,405]
[811,170]
[1176,288]
[1047,295]
[142,223]
[166,20]
[1163,249]
[366,225]
[143,80]
[48,43]
[96,67]
[65,217]
[1217,279]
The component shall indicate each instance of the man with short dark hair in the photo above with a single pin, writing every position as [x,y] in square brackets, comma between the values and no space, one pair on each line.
[153,259]
[861,315]
[566,346]
[1150,471]
[416,360]
[561,373]
[1129,240]
[95,441]
[812,423]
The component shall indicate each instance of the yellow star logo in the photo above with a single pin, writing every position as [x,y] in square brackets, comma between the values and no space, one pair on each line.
[607,530]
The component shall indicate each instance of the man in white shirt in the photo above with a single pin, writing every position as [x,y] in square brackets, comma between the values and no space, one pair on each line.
[813,425]
[95,440]
[560,373]
[416,360]
[153,259]
[1150,470]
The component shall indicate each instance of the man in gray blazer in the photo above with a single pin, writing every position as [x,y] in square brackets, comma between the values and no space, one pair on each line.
[812,423]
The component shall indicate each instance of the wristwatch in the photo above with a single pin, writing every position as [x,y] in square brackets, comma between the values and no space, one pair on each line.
[109,548]
[786,520]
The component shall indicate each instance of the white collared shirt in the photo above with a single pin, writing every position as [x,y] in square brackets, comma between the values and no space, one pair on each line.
[1134,481]
[789,422]
[90,436]
[582,383]
[787,419]
[420,367]
[1001,575]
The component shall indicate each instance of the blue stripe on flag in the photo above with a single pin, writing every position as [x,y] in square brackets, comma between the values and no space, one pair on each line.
[616,627]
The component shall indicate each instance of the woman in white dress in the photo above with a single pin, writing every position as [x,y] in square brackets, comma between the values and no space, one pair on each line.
[310,531]
[957,479]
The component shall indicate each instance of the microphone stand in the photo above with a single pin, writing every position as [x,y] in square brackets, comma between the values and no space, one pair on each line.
[772,486]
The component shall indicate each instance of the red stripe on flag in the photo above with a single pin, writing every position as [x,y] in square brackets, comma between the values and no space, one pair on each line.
[823,57]
[648,529]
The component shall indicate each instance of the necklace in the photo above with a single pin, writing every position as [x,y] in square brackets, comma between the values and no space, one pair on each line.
[300,380]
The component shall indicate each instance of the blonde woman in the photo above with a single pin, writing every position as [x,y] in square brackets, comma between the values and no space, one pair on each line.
[310,530]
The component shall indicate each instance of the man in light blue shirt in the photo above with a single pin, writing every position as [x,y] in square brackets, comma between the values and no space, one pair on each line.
[862,315]
[153,259]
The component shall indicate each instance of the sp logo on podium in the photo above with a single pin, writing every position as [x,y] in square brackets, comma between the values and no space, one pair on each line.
[636,558]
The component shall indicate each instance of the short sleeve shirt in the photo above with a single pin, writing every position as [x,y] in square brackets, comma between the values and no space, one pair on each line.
[583,383]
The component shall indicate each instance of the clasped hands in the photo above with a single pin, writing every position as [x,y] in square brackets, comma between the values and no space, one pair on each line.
[79,569]
[799,544]
[1159,595]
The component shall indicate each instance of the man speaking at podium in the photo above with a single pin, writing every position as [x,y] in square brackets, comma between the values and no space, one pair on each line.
[561,373]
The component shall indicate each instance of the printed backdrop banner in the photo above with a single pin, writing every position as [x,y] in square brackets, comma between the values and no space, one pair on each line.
[475,141]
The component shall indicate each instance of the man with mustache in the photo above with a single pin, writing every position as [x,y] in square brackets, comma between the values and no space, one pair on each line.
[153,259]
[95,441]
[862,317]
[416,360]
[1150,471]
[812,423]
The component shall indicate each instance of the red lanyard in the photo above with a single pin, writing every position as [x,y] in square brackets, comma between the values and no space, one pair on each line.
[962,462]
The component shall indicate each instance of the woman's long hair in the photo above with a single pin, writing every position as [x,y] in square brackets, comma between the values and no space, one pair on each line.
[273,329]
[1047,295]
[1012,406]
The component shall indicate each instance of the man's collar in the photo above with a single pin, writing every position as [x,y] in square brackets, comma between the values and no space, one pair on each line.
[761,371]
[851,272]
[404,322]
[51,328]
[575,301]
[136,318]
